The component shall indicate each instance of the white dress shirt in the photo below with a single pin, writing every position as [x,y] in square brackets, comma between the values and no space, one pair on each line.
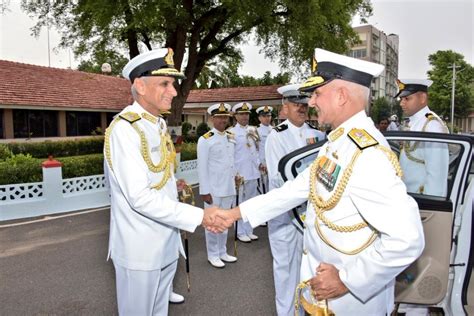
[374,193]
[144,222]
[425,168]
[263,131]
[216,164]
[247,158]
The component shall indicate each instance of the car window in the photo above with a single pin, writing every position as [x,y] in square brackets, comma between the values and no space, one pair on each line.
[428,167]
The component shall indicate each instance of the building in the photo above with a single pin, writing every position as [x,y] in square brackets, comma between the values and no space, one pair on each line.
[39,102]
[377,47]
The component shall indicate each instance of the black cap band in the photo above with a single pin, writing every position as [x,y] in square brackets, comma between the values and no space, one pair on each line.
[330,71]
[146,68]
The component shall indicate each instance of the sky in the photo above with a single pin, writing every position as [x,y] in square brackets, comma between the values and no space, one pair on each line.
[423,26]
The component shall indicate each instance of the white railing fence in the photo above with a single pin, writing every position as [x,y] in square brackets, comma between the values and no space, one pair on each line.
[58,195]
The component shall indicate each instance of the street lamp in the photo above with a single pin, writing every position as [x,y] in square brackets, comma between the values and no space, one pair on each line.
[453,89]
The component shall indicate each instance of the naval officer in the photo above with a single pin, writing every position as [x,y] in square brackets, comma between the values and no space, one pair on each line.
[425,164]
[362,228]
[286,241]
[144,240]
[247,162]
[215,155]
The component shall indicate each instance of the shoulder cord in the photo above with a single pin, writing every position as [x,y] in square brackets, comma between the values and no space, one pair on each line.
[167,153]
[320,206]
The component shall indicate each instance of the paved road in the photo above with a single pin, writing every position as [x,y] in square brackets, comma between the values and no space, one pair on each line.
[59,267]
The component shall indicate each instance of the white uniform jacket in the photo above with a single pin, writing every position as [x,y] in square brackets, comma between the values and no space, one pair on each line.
[247,158]
[215,153]
[425,164]
[144,222]
[263,131]
[374,193]
[282,140]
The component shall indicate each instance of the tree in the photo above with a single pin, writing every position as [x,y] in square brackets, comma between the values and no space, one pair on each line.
[202,30]
[380,109]
[440,90]
[116,61]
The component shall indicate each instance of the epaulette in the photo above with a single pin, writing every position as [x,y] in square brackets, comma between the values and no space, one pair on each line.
[130,117]
[361,138]
[432,117]
[229,132]
[281,127]
[208,135]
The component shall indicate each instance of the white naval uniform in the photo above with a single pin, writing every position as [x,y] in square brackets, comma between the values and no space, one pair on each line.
[263,132]
[246,163]
[374,192]
[286,241]
[215,154]
[425,169]
[144,241]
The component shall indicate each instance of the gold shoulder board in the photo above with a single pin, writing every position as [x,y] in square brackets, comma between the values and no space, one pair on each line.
[361,138]
[229,132]
[131,117]
[208,135]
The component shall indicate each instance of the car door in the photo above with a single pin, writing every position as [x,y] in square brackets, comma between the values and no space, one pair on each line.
[438,277]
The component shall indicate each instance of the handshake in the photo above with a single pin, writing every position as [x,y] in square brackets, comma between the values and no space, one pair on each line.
[217,220]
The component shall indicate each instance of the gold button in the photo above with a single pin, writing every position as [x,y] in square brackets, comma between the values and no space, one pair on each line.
[305,251]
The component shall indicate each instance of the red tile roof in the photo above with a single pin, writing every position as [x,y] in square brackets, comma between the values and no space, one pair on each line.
[30,85]
[234,94]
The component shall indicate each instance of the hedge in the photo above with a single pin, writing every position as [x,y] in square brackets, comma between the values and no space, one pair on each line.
[62,148]
[22,168]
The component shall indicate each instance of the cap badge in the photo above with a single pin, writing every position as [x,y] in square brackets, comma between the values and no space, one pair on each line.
[169,57]
[222,108]
[245,107]
[314,65]
[400,84]
[266,109]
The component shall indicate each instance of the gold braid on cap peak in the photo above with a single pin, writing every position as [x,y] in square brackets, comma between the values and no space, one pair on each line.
[312,81]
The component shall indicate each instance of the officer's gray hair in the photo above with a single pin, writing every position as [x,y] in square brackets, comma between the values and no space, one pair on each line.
[134,90]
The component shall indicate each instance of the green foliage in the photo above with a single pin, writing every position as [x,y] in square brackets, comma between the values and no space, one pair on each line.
[61,148]
[24,168]
[5,152]
[101,56]
[286,30]
[188,151]
[380,109]
[185,128]
[81,166]
[202,129]
[20,169]
[440,91]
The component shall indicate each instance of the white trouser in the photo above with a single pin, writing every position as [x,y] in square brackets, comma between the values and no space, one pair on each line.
[216,244]
[286,243]
[144,293]
[247,191]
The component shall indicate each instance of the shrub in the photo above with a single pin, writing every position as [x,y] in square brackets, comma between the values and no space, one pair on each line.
[81,166]
[185,128]
[63,148]
[5,152]
[188,151]
[202,129]
[24,168]
[20,169]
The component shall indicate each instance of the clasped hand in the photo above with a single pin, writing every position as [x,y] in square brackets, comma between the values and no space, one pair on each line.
[217,220]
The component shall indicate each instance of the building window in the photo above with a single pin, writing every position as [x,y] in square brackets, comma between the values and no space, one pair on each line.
[358,53]
[82,123]
[110,117]
[35,123]
[2,133]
